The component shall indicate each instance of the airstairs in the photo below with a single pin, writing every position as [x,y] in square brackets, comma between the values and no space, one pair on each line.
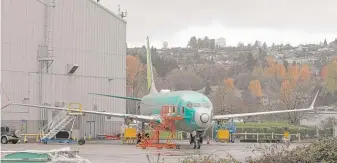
[61,121]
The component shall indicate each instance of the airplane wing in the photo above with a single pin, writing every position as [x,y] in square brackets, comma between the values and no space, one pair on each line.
[143,118]
[218,117]
[121,97]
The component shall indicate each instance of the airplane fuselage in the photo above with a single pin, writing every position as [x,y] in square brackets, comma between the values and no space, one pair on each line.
[196,108]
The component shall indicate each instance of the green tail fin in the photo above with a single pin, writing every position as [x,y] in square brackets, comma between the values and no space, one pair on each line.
[150,81]
[122,97]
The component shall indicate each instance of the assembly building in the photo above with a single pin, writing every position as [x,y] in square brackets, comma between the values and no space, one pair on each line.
[55,52]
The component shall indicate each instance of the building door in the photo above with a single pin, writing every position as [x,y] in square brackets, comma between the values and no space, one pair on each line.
[90,129]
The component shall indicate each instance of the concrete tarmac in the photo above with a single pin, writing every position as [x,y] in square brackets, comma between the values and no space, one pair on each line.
[112,151]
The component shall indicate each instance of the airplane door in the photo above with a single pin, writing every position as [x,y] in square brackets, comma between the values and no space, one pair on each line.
[181,109]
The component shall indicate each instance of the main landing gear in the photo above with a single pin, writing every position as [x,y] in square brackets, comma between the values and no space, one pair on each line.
[196,139]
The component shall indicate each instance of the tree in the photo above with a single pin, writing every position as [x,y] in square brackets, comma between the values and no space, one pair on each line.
[206,42]
[250,62]
[325,43]
[305,72]
[200,43]
[193,43]
[134,69]
[293,72]
[162,64]
[229,84]
[295,96]
[275,69]
[210,73]
[257,43]
[184,80]
[264,46]
[224,101]
[257,71]
[212,44]
[286,90]
[324,72]
[285,64]
[135,80]
[255,88]
[281,70]
[208,89]
[331,77]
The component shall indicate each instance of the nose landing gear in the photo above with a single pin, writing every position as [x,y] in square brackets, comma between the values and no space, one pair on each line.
[196,140]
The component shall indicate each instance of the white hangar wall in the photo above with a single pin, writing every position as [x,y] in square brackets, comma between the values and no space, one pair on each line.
[82,32]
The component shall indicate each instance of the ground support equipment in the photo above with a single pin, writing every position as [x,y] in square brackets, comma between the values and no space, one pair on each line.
[168,116]
[59,123]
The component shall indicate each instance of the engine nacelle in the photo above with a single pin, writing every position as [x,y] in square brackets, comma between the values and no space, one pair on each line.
[164,91]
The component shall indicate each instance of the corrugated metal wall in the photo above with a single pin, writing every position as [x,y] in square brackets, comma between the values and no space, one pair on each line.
[83,33]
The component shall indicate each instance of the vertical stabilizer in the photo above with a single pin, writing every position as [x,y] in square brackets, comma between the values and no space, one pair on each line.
[150,81]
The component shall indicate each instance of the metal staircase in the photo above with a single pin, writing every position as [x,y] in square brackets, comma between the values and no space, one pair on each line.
[60,122]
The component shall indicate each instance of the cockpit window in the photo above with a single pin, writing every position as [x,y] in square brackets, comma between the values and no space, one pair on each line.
[206,105]
[189,105]
[196,105]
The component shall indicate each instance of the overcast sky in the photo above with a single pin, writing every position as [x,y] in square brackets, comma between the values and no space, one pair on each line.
[175,21]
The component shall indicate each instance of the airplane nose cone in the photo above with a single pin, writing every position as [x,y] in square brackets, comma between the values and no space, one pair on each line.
[204,118]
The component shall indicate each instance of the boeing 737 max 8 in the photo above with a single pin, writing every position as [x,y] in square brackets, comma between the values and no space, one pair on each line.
[196,108]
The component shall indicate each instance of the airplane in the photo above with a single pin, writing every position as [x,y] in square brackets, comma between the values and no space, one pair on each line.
[195,108]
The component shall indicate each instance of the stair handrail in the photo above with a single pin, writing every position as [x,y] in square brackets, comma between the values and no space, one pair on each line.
[56,118]
[58,124]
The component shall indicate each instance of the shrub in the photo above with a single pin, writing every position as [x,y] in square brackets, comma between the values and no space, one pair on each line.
[324,150]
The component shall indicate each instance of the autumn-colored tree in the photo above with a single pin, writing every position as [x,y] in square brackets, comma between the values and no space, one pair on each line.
[224,99]
[274,68]
[305,72]
[270,60]
[133,66]
[281,70]
[286,89]
[294,96]
[255,88]
[293,73]
[229,84]
[271,68]
[134,69]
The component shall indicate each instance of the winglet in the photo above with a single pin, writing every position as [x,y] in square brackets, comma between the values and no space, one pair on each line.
[313,101]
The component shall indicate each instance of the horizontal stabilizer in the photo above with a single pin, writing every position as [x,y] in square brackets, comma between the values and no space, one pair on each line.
[122,97]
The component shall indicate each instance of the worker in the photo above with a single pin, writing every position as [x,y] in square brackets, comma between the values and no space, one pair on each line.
[139,137]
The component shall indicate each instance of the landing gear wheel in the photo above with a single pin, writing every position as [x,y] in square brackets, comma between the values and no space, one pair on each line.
[192,138]
[81,142]
[198,145]
[14,141]
[4,140]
